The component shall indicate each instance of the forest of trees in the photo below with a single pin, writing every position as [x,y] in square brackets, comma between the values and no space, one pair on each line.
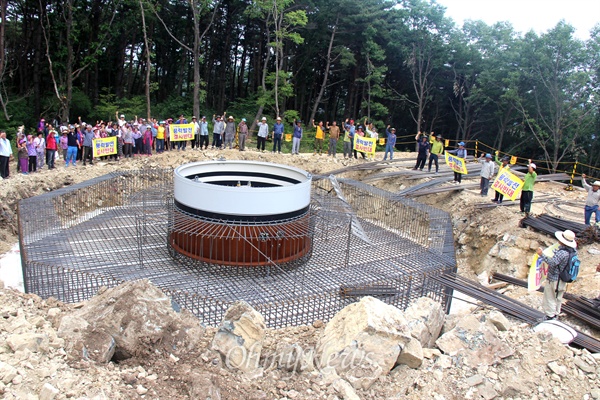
[399,62]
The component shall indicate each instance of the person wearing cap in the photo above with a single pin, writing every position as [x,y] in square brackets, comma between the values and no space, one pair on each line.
[203,137]
[218,129]
[527,191]
[88,137]
[120,119]
[196,130]
[487,173]
[423,148]
[390,142]
[334,135]
[230,129]
[263,132]
[503,165]
[554,287]
[350,131]
[437,149]
[461,152]
[277,135]
[319,136]
[242,134]
[592,200]
[297,137]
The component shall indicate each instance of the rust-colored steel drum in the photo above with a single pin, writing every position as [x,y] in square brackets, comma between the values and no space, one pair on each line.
[241,245]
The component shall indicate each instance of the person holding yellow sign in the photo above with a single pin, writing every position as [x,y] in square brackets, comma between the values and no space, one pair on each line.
[502,166]
[461,152]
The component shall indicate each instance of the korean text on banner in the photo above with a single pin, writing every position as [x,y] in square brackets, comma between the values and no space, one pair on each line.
[457,164]
[538,271]
[180,132]
[508,184]
[104,146]
[365,145]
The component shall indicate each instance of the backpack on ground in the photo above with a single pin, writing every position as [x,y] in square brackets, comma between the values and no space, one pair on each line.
[571,270]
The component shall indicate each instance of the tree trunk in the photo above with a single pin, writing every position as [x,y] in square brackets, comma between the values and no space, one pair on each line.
[148,64]
[3,101]
[326,76]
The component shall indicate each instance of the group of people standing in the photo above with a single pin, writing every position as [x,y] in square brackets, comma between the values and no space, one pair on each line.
[432,146]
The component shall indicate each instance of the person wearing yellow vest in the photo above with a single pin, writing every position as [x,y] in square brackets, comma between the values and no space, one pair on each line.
[503,165]
[319,136]
[437,148]
[160,137]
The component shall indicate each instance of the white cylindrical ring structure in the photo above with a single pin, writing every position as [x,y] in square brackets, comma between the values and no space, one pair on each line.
[264,190]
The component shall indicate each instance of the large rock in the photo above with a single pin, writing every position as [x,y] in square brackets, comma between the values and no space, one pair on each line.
[363,341]
[240,337]
[474,342]
[425,318]
[411,354]
[130,319]
[7,372]
[34,342]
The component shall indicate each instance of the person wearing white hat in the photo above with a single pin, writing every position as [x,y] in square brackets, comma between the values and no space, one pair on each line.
[277,135]
[120,119]
[592,200]
[527,191]
[261,136]
[230,128]
[554,287]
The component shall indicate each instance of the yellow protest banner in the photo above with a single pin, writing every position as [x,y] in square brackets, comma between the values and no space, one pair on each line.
[364,144]
[538,271]
[104,146]
[457,164]
[513,160]
[508,184]
[181,132]
[446,142]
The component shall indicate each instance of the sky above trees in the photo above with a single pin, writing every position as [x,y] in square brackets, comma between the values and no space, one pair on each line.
[525,15]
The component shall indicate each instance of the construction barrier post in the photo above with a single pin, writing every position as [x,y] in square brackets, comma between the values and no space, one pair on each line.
[570,185]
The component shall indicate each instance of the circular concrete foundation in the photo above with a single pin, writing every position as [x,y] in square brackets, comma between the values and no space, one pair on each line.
[241,213]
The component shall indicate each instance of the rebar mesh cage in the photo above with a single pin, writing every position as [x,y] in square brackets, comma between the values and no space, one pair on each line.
[115,228]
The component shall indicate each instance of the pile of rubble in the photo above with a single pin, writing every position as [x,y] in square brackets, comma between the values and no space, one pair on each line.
[130,342]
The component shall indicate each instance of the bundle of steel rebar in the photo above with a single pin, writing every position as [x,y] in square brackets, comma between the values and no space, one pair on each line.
[547,224]
[576,306]
[508,306]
